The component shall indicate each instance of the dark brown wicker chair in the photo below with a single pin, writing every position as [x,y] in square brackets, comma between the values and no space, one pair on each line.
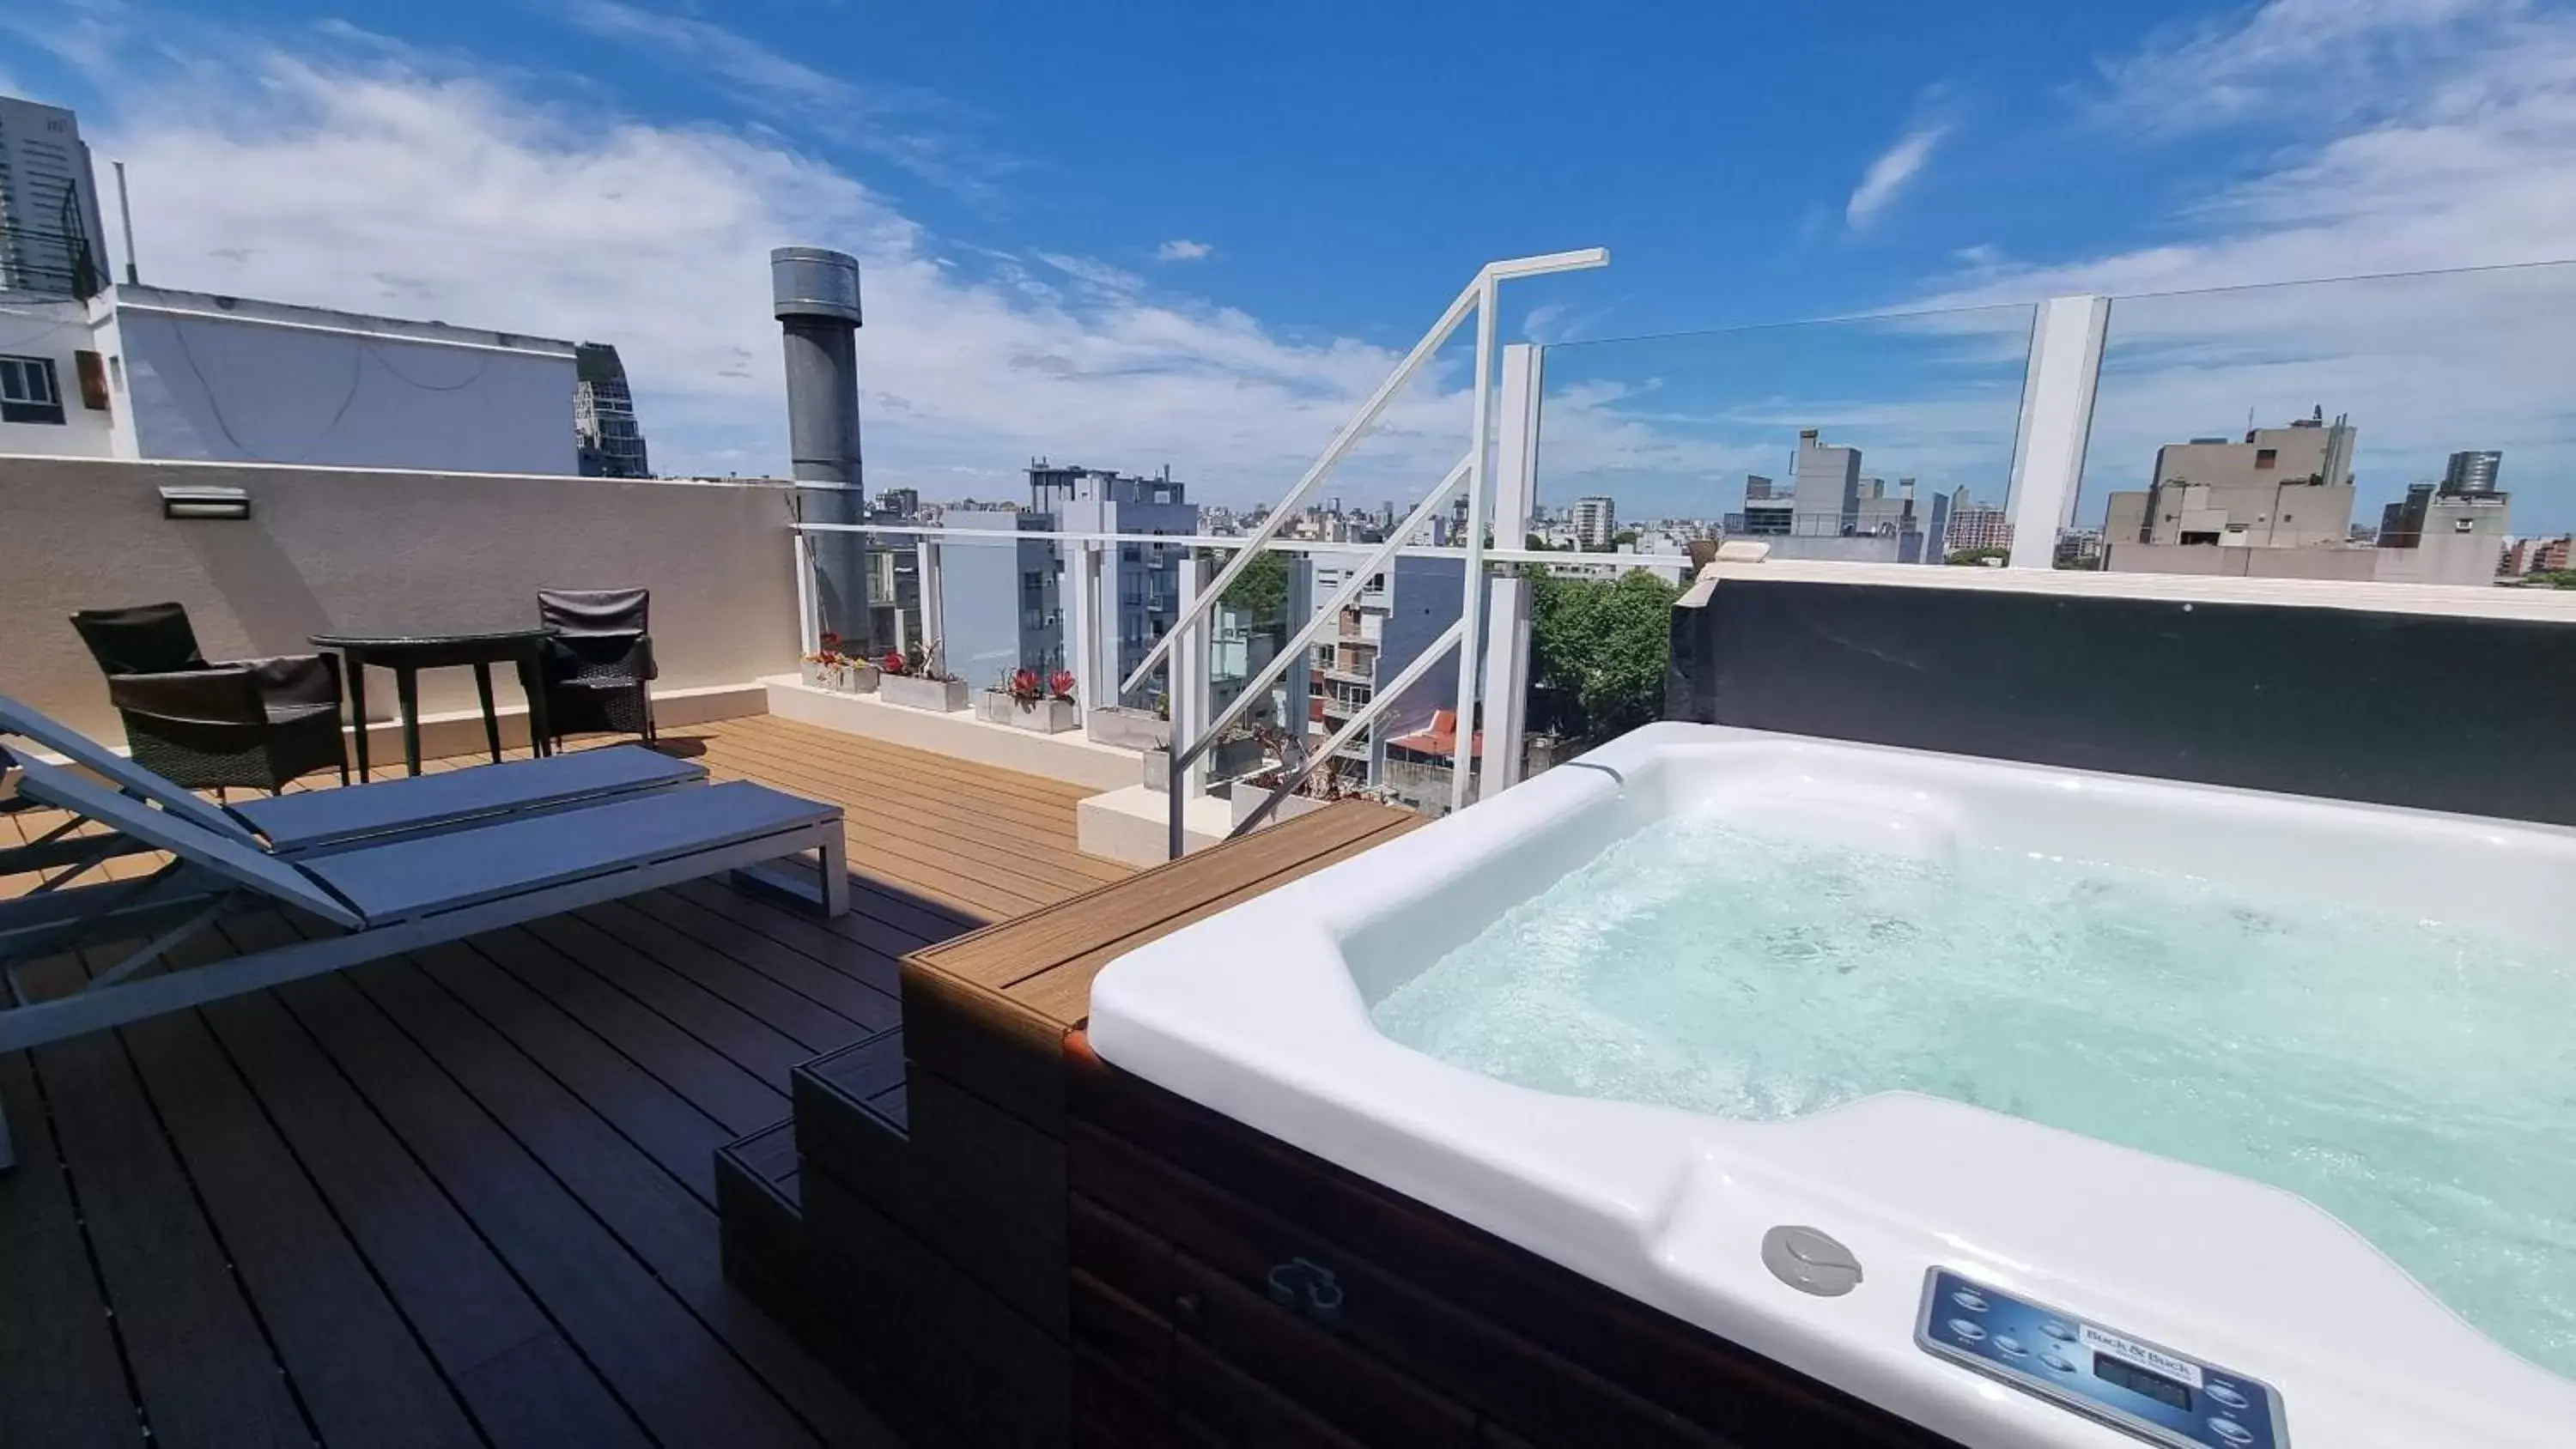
[598,666]
[253,723]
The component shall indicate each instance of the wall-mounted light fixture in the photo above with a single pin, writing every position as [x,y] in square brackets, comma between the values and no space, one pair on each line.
[205,503]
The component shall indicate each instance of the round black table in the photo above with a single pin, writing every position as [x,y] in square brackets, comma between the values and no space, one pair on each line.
[409,652]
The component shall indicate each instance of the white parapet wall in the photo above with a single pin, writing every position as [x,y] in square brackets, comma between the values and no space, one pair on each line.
[332,549]
[1070,757]
[1133,824]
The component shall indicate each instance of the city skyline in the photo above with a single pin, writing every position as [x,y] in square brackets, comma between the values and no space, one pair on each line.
[1103,280]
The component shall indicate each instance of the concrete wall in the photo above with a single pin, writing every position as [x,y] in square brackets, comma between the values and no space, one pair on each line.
[2469,559]
[331,549]
[249,390]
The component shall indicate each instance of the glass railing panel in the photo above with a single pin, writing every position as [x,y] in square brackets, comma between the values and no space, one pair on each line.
[1000,609]
[2401,429]
[1599,640]
[1870,439]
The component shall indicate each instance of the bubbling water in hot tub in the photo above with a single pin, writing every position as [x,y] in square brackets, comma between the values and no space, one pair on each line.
[2416,1078]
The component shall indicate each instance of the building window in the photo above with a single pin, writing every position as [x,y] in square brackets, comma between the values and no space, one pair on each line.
[2267,457]
[28,392]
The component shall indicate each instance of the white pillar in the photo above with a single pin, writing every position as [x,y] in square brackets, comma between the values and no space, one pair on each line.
[1462,760]
[1192,703]
[1081,621]
[927,552]
[809,627]
[2056,422]
[1507,643]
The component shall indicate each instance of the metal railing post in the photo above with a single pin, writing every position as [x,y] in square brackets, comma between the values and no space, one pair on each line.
[1189,662]
[1187,672]
[1507,642]
[2056,422]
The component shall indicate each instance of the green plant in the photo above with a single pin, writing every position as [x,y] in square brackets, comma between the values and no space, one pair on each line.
[1976,557]
[1261,590]
[1601,648]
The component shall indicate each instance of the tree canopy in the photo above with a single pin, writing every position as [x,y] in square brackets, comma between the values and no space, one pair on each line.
[1261,590]
[1603,647]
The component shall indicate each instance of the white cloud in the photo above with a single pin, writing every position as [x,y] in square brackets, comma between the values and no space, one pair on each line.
[1095,274]
[1888,175]
[880,118]
[2398,137]
[2321,61]
[1182,249]
[419,186]
[2465,156]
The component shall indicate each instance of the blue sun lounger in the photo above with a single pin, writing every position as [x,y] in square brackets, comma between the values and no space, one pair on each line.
[376,894]
[316,820]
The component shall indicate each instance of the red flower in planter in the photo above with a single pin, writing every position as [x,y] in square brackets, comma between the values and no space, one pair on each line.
[893,663]
[1061,684]
[1024,685]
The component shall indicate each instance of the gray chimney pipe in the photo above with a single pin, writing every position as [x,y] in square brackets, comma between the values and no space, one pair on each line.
[815,295]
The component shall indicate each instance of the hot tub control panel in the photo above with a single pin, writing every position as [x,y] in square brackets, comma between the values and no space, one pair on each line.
[2141,1388]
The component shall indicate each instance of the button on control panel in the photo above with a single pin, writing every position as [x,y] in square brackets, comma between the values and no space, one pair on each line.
[2158,1394]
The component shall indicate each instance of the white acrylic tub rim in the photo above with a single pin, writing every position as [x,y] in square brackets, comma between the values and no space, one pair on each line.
[1259,1012]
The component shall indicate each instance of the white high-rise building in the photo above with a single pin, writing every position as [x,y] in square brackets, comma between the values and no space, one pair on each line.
[1594,521]
[51,243]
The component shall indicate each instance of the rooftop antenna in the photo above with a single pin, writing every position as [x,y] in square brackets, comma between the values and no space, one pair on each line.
[125,209]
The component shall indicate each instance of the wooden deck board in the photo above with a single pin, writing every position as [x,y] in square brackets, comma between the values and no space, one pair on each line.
[198,1353]
[657,1357]
[466,1196]
[60,1382]
[360,1371]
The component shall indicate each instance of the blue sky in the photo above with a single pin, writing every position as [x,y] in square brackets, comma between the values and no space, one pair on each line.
[1196,234]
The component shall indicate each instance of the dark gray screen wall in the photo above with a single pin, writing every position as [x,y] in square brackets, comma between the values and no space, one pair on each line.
[2473,715]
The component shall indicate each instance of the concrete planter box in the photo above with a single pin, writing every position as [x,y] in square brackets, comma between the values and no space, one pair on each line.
[1224,762]
[1127,728]
[1038,717]
[1247,797]
[841,678]
[937,696]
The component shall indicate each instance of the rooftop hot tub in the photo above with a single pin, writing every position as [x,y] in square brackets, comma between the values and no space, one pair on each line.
[2035,1105]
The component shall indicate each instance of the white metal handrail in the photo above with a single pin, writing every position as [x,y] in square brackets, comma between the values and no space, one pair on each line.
[1478,295]
[1386,695]
[1185,753]
[1328,612]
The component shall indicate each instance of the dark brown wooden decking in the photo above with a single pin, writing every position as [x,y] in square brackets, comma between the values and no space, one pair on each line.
[467,1196]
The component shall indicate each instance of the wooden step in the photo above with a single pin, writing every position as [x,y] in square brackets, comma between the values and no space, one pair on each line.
[760,1213]
[853,1117]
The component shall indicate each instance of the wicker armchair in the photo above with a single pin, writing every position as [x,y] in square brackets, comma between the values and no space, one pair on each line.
[255,723]
[598,667]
